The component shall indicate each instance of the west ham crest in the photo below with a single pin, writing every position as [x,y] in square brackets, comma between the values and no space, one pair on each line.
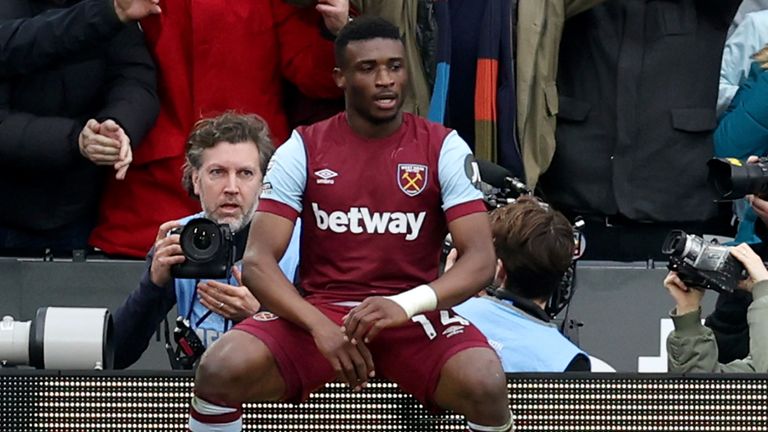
[412,178]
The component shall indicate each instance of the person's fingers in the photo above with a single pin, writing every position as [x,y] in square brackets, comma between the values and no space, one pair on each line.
[110,125]
[238,275]
[360,369]
[165,227]
[347,369]
[368,357]
[375,328]
[92,126]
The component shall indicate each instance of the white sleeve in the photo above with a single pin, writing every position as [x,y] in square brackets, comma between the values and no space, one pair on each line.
[748,38]
[286,176]
[452,169]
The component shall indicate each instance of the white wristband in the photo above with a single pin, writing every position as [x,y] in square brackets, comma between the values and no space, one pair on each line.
[416,300]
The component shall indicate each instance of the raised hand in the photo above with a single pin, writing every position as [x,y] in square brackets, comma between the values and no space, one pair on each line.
[112,130]
[133,10]
[335,14]
[230,301]
[167,253]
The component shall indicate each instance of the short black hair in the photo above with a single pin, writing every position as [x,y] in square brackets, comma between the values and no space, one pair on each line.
[361,29]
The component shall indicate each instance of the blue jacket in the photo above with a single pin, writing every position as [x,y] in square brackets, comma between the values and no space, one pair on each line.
[146,307]
[742,132]
[523,342]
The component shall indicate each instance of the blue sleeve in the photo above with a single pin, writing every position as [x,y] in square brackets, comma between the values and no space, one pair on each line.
[138,317]
[286,175]
[290,261]
[455,182]
[743,129]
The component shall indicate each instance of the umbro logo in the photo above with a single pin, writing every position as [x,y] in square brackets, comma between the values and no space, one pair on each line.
[325,176]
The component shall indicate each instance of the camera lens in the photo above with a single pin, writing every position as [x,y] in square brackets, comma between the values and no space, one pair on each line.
[201,239]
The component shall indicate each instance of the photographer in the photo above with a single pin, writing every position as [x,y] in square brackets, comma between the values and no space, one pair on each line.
[226,159]
[534,245]
[691,347]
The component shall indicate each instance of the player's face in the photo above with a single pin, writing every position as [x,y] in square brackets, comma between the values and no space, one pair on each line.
[374,78]
[228,183]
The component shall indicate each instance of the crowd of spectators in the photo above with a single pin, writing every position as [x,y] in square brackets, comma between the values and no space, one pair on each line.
[608,109]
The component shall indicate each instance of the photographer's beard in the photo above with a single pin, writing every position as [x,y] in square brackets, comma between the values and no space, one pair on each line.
[235,222]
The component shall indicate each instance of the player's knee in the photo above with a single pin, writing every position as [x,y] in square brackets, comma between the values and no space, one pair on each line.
[485,384]
[220,375]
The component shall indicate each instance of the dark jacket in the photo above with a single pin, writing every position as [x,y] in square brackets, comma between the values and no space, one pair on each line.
[638,81]
[59,67]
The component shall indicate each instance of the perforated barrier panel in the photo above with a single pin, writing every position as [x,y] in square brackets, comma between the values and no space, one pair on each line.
[109,401]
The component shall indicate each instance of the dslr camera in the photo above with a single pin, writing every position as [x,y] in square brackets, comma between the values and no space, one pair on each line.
[209,249]
[702,264]
[735,178]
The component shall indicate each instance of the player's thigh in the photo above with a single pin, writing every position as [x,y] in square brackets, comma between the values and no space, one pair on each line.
[237,368]
[295,356]
[414,354]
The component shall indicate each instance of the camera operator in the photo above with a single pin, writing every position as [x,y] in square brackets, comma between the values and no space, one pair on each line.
[691,347]
[226,159]
[534,245]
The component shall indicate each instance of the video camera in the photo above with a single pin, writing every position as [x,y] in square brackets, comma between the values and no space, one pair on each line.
[209,249]
[735,178]
[702,264]
[58,338]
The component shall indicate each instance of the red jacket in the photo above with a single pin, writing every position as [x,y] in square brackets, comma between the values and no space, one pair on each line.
[212,56]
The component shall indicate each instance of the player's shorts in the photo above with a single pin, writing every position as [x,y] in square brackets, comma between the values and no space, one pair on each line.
[412,355]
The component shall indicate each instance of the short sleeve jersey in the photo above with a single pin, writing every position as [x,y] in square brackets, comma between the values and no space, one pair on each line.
[374,211]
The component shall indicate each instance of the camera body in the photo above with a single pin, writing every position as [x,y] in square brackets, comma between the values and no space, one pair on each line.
[189,347]
[735,178]
[209,249]
[702,264]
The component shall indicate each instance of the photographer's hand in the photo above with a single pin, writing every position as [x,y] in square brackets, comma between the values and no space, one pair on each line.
[752,262]
[230,301]
[167,252]
[688,299]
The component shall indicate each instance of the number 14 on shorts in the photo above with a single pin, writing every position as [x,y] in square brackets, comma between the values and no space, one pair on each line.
[451,325]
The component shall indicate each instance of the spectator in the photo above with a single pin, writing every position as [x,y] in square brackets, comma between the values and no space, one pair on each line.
[638,84]
[743,131]
[77,94]
[691,347]
[205,70]
[226,158]
[534,245]
[746,40]
[377,190]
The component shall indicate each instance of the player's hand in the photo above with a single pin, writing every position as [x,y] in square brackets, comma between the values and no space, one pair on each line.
[133,10]
[167,253]
[367,319]
[353,364]
[230,301]
[335,14]
[111,129]
[752,262]
[688,299]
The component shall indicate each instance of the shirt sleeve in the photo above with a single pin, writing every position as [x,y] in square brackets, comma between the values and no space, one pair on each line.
[748,38]
[285,180]
[455,181]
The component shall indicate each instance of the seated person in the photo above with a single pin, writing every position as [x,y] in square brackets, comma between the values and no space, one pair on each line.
[226,159]
[534,245]
[691,347]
